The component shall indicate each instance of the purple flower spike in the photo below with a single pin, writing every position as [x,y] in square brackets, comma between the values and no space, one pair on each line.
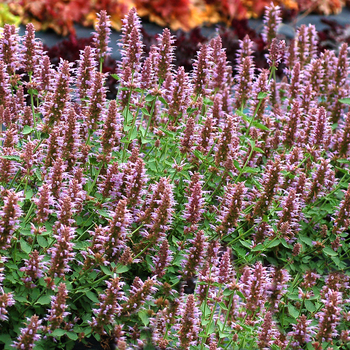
[101,37]
[29,335]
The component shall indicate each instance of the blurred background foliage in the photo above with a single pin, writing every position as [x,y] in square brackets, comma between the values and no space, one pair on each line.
[60,15]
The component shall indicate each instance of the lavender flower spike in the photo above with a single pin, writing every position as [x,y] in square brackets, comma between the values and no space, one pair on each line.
[101,37]
[272,19]
[29,335]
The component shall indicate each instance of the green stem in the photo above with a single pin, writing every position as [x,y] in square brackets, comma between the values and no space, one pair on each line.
[226,317]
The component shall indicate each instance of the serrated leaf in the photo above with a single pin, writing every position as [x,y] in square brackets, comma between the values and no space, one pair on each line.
[329,251]
[122,268]
[6,339]
[223,335]
[227,292]
[33,92]
[127,115]
[271,244]
[25,246]
[37,173]
[245,243]
[145,111]
[310,306]
[205,309]
[162,99]
[133,134]
[104,213]
[149,98]
[345,100]
[293,311]
[144,317]
[306,240]
[42,241]
[236,164]
[27,130]
[258,248]
[58,333]
[115,76]
[29,194]
[20,298]
[222,305]
[44,300]
[262,95]
[250,170]
[15,158]
[72,335]
[106,270]
[260,126]
[92,296]
[211,328]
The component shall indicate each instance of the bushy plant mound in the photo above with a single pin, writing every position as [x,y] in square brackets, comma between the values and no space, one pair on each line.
[195,211]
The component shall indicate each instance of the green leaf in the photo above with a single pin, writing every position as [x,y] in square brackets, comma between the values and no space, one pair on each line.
[127,115]
[144,111]
[162,99]
[92,296]
[224,335]
[293,311]
[205,310]
[29,194]
[260,126]
[345,100]
[211,328]
[257,149]
[44,300]
[27,130]
[104,213]
[310,306]
[245,243]
[20,298]
[106,270]
[116,77]
[38,174]
[227,292]
[144,140]
[208,101]
[258,248]
[133,134]
[236,164]
[329,251]
[144,317]
[58,333]
[72,335]
[33,92]
[149,98]
[306,240]
[347,161]
[25,246]
[273,243]
[222,305]
[250,170]
[6,339]
[262,95]
[15,158]
[122,268]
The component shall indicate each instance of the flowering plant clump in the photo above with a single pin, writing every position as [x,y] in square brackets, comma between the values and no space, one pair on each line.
[199,210]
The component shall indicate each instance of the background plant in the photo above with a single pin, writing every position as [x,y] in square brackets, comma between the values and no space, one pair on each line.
[196,210]
[60,15]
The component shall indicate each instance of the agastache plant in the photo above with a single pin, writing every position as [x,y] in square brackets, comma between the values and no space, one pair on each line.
[197,210]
